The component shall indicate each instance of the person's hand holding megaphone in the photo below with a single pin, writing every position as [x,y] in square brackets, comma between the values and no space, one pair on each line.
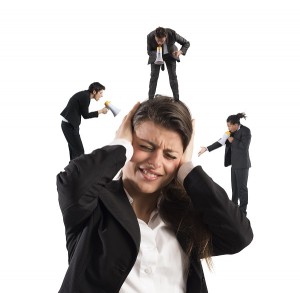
[230,138]
[103,111]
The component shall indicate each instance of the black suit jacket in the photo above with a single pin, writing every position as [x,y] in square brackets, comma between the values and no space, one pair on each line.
[172,37]
[102,230]
[237,152]
[78,106]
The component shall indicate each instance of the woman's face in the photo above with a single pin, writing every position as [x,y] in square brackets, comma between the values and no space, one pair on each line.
[156,157]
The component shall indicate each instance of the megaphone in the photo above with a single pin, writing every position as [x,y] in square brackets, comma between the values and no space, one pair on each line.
[159,60]
[112,108]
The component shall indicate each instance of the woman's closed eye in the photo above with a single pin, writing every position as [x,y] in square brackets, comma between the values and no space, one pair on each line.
[170,156]
[146,148]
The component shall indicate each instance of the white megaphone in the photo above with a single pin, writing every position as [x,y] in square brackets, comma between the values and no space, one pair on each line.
[112,108]
[159,60]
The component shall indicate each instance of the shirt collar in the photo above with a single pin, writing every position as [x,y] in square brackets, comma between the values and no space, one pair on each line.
[130,199]
[154,212]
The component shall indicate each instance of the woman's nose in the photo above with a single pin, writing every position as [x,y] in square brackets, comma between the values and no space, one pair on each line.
[155,160]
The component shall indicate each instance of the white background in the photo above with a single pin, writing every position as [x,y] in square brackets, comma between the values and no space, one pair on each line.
[244,57]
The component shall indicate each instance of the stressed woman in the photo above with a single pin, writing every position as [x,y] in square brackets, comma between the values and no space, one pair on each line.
[148,230]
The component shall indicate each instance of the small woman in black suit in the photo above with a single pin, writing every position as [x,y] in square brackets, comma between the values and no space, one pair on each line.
[148,230]
[237,141]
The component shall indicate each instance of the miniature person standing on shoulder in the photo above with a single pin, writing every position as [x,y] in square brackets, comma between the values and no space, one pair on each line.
[237,141]
[78,106]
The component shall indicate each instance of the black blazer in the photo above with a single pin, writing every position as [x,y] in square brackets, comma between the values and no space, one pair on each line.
[237,152]
[172,37]
[78,106]
[102,230]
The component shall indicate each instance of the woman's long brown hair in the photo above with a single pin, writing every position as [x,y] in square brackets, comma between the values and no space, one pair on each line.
[175,206]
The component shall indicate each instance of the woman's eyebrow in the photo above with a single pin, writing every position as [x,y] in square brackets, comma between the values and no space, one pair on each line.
[147,141]
[168,150]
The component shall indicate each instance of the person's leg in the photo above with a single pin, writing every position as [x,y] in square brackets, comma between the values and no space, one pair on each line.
[171,66]
[74,140]
[234,187]
[153,80]
[242,180]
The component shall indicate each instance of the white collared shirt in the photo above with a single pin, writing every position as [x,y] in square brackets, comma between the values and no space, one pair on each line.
[161,264]
[165,49]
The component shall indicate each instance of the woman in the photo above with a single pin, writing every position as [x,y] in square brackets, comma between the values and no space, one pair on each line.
[237,141]
[147,231]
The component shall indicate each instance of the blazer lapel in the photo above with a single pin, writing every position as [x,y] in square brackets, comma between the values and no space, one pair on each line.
[116,201]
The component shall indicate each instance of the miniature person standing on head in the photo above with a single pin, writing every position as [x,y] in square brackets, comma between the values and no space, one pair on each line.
[164,39]
[78,106]
[237,141]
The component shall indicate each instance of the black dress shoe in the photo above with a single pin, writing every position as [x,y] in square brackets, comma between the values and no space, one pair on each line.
[163,67]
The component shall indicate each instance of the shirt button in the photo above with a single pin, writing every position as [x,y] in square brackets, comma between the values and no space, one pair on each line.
[148,270]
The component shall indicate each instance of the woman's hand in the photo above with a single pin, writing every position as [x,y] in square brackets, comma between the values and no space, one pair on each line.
[188,153]
[125,129]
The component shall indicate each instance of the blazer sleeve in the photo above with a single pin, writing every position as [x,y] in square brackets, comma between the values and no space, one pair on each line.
[151,51]
[78,186]
[214,146]
[149,40]
[183,42]
[242,142]
[84,109]
[230,228]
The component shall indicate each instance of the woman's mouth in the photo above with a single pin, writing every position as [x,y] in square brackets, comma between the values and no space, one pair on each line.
[149,175]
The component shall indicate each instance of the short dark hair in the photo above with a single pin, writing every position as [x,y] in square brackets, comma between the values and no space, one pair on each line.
[96,86]
[160,32]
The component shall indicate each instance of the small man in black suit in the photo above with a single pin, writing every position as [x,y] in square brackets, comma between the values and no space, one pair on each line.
[78,106]
[237,141]
[165,39]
